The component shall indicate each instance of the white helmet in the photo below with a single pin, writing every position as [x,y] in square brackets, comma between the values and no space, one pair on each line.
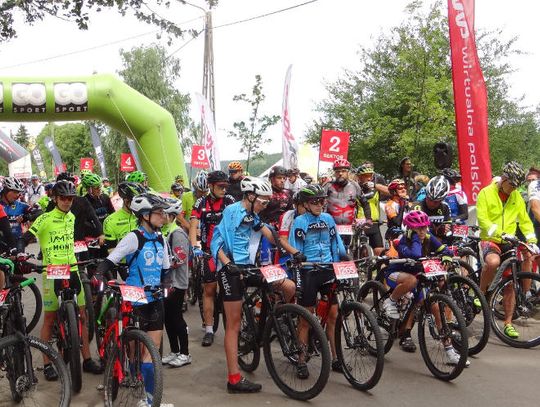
[13,184]
[201,181]
[437,188]
[256,185]
[175,206]
[145,203]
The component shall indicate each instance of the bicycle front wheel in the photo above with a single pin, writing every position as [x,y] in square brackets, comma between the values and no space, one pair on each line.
[89,307]
[21,360]
[72,345]
[249,351]
[440,326]
[523,302]
[283,351]
[33,306]
[359,345]
[133,372]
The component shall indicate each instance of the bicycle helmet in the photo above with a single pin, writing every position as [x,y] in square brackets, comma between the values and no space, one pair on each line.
[129,190]
[296,198]
[451,175]
[176,187]
[364,169]
[49,186]
[310,192]
[68,176]
[13,184]
[201,181]
[91,180]
[514,172]
[416,219]
[256,185]
[277,170]
[179,178]
[146,203]
[341,163]
[33,177]
[235,166]
[293,171]
[136,176]
[437,188]
[105,179]
[64,188]
[394,185]
[217,176]
[175,206]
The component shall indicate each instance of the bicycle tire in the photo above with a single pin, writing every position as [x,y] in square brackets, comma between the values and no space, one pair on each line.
[274,342]
[72,352]
[37,309]
[249,351]
[464,290]
[29,389]
[370,294]
[448,331]
[89,305]
[366,337]
[119,359]
[525,308]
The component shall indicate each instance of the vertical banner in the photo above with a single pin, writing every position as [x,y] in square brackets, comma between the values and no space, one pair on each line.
[334,145]
[470,100]
[10,150]
[209,132]
[133,151]
[289,145]
[54,153]
[39,162]
[96,141]
[127,162]
[199,158]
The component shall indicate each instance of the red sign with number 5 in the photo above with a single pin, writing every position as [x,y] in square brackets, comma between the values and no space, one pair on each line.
[87,164]
[334,145]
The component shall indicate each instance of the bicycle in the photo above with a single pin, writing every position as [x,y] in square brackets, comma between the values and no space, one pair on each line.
[358,339]
[275,328]
[360,247]
[126,348]
[524,287]
[440,322]
[19,353]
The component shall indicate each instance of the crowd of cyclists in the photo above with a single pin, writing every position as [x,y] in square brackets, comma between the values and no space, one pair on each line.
[230,222]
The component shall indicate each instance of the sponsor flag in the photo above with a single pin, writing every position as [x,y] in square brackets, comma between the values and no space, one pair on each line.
[134,153]
[10,150]
[209,132]
[289,145]
[334,145]
[470,99]
[57,160]
[39,161]
[96,141]
[199,158]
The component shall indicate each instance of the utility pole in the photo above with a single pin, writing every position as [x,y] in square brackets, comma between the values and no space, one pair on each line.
[208,73]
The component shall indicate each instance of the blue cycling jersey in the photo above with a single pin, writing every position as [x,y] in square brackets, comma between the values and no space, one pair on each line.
[235,234]
[13,211]
[316,237]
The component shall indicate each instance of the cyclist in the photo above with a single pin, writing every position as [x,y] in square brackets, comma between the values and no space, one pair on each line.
[55,233]
[123,221]
[499,207]
[206,214]
[288,218]
[177,190]
[147,256]
[139,177]
[294,183]
[407,174]
[456,198]
[34,190]
[81,189]
[315,237]
[235,177]
[179,180]
[18,212]
[177,278]
[435,207]
[99,201]
[231,247]
[46,199]
[398,204]
[107,187]
[200,189]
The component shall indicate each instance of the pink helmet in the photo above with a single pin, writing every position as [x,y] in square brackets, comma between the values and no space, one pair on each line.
[341,163]
[416,219]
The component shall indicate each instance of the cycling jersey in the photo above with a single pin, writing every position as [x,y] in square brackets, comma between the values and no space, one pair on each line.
[188,200]
[13,211]
[436,217]
[209,211]
[234,189]
[44,202]
[455,198]
[102,205]
[34,193]
[117,225]
[316,237]
[234,234]
[286,222]
[86,221]
[343,201]
[7,239]
[280,201]
[496,218]
[295,186]
[373,206]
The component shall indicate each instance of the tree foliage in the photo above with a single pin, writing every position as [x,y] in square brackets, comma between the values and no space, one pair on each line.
[79,11]
[251,134]
[22,137]
[399,102]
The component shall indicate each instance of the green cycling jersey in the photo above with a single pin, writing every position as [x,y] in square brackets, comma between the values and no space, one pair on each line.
[188,200]
[119,224]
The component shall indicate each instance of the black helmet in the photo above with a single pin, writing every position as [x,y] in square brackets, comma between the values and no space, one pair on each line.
[310,192]
[451,175]
[67,176]
[293,171]
[64,188]
[128,190]
[176,187]
[276,171]
[217,176]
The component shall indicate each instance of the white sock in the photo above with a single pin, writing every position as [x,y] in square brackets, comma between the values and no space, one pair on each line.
[209,329]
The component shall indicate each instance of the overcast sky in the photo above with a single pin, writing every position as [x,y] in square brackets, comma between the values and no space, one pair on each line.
[320,40]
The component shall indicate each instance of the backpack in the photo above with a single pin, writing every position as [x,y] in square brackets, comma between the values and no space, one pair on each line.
[142,240]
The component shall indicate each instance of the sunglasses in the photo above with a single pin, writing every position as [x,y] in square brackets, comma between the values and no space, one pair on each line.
[320,201]
[263,202]
[221,186]
[401,188]
[66,198]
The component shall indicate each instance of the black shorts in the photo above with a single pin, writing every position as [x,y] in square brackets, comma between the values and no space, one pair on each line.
[309,282]
[375,237]
[150,316]
[233,286]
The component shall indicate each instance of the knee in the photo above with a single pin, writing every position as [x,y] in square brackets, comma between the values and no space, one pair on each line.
[493,261]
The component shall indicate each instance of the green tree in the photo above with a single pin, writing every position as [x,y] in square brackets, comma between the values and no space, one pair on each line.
[22,137]
[399,102]
[251,134]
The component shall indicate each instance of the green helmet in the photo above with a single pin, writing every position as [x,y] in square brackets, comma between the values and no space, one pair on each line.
[91,180]
[136,176]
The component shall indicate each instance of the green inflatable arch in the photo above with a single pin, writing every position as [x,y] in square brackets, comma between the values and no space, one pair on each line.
[106,98]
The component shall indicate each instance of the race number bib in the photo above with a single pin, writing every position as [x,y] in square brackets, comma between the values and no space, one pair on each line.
[58,272]
[433,268]
[461,230]
[133,294]
[345,270]
[273,273]
[80,246]
[344,230]
[3,296]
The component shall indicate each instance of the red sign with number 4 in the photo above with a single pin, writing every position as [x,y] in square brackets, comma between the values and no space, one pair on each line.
[199,158]
[127,162]
[87,164]
[334,145]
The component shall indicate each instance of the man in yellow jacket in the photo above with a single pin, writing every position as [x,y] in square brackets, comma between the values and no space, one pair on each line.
[499,207]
